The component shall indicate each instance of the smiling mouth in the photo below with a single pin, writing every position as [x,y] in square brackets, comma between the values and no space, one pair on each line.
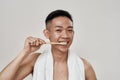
[63,42]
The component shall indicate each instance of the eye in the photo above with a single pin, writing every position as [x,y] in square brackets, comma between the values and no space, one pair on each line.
[70,30]
[59,30]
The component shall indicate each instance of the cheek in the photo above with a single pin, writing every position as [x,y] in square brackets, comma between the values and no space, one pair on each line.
[72,36]
[54,36]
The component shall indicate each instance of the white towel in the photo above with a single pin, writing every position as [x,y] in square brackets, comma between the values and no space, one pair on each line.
[43,69]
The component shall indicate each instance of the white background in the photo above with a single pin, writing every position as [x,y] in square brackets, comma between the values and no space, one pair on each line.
[96,24]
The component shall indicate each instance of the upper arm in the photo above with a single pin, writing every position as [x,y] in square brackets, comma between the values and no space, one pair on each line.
[89,71]
[26,67]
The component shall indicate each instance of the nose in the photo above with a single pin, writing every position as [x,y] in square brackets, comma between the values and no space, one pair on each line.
[64,34]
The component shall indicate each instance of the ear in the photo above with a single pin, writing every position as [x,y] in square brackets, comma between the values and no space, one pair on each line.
[46,33]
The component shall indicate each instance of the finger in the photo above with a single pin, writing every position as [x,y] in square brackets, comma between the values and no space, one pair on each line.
[32,42]
[41,41]
[37,43]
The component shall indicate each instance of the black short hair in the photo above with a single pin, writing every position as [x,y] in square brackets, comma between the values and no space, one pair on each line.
[58,13]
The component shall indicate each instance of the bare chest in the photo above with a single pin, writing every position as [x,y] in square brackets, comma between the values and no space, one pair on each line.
[60,72]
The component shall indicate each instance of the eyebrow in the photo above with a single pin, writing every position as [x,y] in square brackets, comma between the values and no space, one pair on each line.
[62,26]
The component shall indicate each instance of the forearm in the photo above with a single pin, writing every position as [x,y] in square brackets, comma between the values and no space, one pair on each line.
[9,72]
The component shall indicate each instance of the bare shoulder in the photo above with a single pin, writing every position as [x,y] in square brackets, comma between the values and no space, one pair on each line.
[89,71]
[86,64]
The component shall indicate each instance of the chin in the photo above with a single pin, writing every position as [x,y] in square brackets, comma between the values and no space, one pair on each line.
[63,49]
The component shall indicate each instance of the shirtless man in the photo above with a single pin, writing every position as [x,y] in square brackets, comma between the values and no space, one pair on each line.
[59,28]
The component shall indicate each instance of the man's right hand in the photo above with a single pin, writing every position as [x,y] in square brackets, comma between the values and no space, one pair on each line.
[32,44]
[23,64]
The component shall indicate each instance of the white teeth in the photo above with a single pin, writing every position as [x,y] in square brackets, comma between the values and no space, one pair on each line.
[63,43]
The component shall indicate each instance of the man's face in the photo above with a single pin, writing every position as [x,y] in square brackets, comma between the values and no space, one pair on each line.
[60,29]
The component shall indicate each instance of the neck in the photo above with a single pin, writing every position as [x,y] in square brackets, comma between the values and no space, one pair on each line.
[59,56]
